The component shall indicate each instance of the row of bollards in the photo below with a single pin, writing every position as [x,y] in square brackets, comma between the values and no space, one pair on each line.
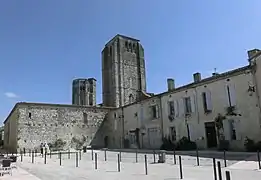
[216,166]
[218,175]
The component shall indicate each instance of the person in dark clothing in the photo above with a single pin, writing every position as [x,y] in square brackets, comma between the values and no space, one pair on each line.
[41,148]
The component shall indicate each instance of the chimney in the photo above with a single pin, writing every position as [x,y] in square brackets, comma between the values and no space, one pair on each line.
[215,74]
[197,77]
[171,84]
[252,53]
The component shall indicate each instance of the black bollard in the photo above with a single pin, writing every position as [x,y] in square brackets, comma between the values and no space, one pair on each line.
[180,168]
[225,158]
[21,157]
[154,156]
[60,155]
[33,157]
[219,170]
[92,154]
[119,164]
[45,157]
[24,151]
[69,154]
[105,155]
[120,156]
[95,160]
[76,159]
[136,156]
[197,157]
[146,165]
[258,160]
[215,169]
[228,175]
[174,157]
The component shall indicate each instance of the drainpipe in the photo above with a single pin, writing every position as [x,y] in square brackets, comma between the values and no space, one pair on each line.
[123,128]
[161,117]
[196,104]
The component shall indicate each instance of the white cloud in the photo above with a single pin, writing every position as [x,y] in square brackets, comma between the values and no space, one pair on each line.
[11,95]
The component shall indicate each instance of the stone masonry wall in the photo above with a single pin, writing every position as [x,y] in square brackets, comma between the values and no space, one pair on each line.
[39,124]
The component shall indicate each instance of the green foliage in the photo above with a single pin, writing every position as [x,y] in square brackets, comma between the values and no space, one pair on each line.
[126,143]
[185,144]
[57,145]
[231,111]
[223,145]
[78,142]
[167,144]
[219,121]
[251,145]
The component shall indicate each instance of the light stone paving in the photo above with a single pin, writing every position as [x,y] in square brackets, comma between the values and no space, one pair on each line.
[129,168]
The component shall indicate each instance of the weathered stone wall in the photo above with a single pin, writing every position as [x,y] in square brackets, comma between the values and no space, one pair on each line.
[42,123]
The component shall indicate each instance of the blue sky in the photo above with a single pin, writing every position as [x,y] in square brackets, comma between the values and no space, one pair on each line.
[45,44]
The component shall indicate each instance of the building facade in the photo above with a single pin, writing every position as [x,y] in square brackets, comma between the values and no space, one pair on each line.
[84,92]
[225,106]
[192,111]
[123,71]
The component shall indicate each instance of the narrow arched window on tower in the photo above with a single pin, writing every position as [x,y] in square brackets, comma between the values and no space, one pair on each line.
[110,51]
[130,47]
[126,44]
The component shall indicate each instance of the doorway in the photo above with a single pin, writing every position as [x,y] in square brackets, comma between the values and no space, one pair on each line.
[211,134]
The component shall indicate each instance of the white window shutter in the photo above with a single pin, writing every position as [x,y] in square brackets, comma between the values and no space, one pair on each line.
[115,124]
[192,133]
[192,102]
[150,111]
[227,132]
[176,108]
[226,96]
[168,108]
[181,107]
[208,100]
[157,111]
[232,91]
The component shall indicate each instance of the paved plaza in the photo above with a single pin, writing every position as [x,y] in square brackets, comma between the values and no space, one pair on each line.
[129,168]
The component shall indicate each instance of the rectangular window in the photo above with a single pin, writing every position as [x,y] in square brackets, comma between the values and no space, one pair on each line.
[154,112]
[85,118]
[206,99]
[82,88]
[171,108]
[231,95]
[173,133]
[187,103]
[91,88]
